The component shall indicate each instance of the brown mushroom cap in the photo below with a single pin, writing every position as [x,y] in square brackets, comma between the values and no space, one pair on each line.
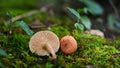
[43,43]
[68,44]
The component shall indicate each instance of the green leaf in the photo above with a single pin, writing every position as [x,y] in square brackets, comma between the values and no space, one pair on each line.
[2,52]
[74,12]
[83,10]
[93,7]
[86,22]
[79,26]
[25,27]
[113,23]
[111,19]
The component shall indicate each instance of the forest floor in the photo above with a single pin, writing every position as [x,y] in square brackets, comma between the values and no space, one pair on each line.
[92,52]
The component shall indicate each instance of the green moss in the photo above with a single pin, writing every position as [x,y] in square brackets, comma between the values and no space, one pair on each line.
[15,12]
[63,20]
[60,31]
[3,40]
[41,16]
[19,42]
[95,50]
[92,50]
[7,4]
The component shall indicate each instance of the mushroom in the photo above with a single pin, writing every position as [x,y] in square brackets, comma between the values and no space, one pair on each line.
[68,44]
[44,43]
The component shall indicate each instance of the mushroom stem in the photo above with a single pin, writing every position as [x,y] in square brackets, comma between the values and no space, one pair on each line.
[51,51]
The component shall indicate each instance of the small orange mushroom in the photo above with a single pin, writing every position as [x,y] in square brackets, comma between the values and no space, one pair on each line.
[44,43]
[68,44]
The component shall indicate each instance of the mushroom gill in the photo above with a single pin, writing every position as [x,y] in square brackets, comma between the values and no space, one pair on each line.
[44,43]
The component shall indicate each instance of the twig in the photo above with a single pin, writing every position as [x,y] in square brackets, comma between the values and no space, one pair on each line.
[43,9]
[24,15]
[114,8]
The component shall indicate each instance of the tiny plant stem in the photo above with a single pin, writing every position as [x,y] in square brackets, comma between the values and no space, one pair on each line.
[78,21]
[50,50]
[25,15]
[114,8]
[30,13]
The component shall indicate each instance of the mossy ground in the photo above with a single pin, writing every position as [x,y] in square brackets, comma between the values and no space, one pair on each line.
[92,50]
